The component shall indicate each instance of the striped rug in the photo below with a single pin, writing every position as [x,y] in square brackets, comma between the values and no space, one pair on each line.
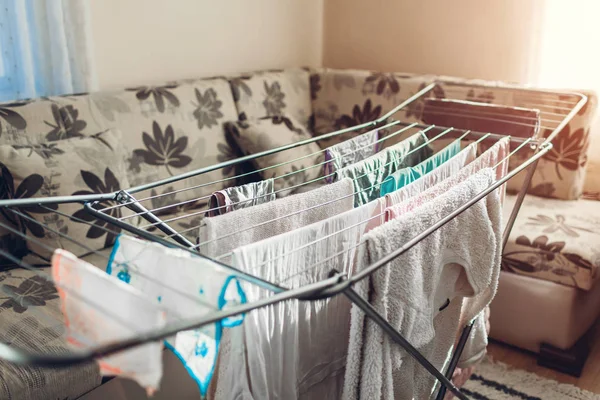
[497,381]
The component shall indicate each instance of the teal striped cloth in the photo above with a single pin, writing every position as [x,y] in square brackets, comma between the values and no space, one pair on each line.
[404,176]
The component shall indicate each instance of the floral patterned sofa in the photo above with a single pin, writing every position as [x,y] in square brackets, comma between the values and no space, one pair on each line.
[178,127]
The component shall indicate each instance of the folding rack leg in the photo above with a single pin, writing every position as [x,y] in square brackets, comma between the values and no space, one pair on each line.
[131,202]
[464,336]
[398,338]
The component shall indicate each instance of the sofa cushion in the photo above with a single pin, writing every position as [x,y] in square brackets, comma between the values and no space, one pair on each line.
[271,132]
[271,93]
[34,121]
[555,240]
[68,167]
[527,312]
[560,172]
[344,98]
[31,319]
[167,130]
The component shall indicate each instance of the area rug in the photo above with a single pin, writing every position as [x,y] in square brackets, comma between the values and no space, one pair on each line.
[497,381]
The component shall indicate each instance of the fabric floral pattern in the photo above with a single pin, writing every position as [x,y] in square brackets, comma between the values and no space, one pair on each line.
[268,133]
[163,150]
[273,93]
[160,94]
[34,291]
[554,240]
[70,172]
[207,109]
[97,186]
[349,97]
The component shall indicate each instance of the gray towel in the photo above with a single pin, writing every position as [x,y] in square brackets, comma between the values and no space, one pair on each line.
[263,221]
[238,197]
[422,292]
[369,173]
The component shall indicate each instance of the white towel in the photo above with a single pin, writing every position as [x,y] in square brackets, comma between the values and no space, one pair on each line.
[249,225]
[294,350]
[446,170]
[99,309]
[188,287]
[458,260]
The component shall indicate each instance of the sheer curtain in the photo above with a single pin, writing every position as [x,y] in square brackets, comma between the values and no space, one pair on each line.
[45,48]
[568,54]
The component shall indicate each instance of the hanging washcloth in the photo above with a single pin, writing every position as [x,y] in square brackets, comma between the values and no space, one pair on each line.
[243,196]
[368,174]
[188,287]
[349,152]
[99,309]
[404,176]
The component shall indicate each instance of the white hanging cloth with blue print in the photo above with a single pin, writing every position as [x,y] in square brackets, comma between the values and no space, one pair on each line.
[188,287]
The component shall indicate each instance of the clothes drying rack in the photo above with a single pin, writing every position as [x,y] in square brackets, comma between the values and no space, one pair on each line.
[556,113]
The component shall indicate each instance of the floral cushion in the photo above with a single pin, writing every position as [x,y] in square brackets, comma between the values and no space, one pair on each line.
[271,93]
[561,172]
[68,167]
[555,240]
[271,132]
[167,130]
[344,98]
[31,319]
[33,121]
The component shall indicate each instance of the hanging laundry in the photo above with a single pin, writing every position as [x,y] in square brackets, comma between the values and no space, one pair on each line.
[297,350]
[99,309]
[243,196]
[368,174]
[422,292]
[490,158]
[446,170]
[223,233]
[188,287]
[349,152]
[404,176]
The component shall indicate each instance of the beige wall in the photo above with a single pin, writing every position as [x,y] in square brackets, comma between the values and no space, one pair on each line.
[150,41]
[470,38]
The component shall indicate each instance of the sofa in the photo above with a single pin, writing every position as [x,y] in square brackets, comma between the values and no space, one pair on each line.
[105,141]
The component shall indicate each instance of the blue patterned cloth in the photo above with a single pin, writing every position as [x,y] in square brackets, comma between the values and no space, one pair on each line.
[188,287]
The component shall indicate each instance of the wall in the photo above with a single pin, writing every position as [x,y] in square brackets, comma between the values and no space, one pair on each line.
[151,41]
[469,38]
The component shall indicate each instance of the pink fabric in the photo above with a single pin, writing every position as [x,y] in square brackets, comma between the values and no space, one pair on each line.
[488,159]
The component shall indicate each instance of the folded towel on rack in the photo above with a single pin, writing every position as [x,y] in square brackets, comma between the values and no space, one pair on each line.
[404,176]
[123,313]
[296,350]
[423,291]
[350,151]
[223,233]
[188,287]
[368,174]
[238,197]
[490,158]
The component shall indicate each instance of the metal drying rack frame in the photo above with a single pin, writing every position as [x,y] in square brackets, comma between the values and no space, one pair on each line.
[337,283]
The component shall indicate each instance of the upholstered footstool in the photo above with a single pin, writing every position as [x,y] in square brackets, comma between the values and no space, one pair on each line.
[548,295]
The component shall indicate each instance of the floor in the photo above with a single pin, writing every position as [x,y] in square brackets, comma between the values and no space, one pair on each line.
[589,380]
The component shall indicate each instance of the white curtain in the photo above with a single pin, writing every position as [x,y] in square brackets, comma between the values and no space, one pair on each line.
[46,48]
[568,54]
